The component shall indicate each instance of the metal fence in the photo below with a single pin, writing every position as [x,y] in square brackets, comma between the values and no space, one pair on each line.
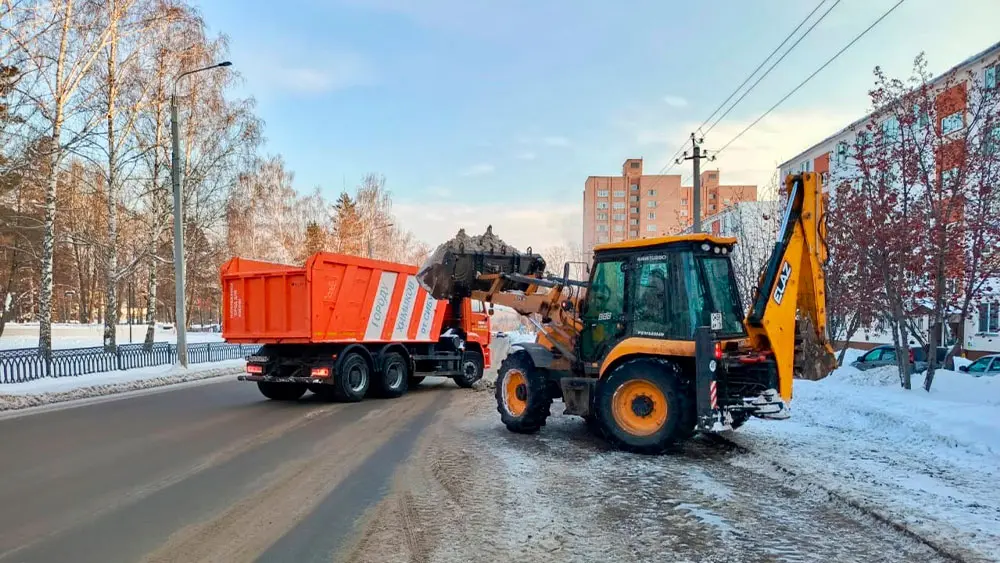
[26,364]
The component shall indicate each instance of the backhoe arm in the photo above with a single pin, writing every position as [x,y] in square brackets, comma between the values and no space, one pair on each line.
[793,281]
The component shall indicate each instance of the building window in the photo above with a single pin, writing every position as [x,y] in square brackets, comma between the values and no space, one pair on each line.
[602,193]
[864,138]
[726,202]
[651,215]
[890,129]
[921,117]
[602,216]
[633,234]
[711,207]
[602,238]
[948,175]
[602,205]
[633,198]
[684,212]
[992,143]
[711,196]
[619,205]
[652,192]
[619,228]
[619,216]
[634,165]
[991,77]
[806,166]
[619,238]
[841,153]
[602,228]
[633,210]
[650,204]
[633,221]
[651,228]
[619,193]
[634,187]
[989,317]
[952,123]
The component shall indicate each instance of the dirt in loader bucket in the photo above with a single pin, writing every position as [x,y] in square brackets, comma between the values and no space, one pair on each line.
[454,268]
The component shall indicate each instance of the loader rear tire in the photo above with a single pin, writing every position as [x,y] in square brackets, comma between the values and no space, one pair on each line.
[391,380]
[352,378]
[472,370]
[281,391]
[522,394]
[642,406]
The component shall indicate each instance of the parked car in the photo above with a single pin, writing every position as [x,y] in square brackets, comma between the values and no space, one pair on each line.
[501,334]
[987,365]
[885,355]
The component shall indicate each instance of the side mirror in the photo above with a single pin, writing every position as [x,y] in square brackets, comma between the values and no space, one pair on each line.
[490,310]
[963,368]
[567,306]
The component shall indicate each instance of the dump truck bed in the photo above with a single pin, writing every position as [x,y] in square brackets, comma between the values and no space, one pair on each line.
[333,298]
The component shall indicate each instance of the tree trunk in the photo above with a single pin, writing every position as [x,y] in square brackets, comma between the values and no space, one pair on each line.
[111,260]
[851,329]
[49,242]
[151,303]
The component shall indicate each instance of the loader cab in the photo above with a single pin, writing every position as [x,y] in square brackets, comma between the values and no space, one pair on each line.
[661,289]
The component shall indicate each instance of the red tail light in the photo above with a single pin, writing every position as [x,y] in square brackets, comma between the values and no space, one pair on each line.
[254,369]
[911,356]
[319,372]
[718,351]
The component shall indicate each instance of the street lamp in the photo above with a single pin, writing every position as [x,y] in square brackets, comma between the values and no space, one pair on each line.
[175,180]
[371,238]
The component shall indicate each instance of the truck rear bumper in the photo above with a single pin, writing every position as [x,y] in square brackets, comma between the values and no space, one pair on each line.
[272,379]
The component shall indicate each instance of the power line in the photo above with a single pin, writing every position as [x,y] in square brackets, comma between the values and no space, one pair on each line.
[811,76]
[768,71]
[762,63]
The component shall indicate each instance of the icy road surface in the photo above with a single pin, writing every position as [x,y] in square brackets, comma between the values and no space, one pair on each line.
[216,473]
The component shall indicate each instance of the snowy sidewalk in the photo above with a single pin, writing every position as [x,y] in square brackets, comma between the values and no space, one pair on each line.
[58,389]
[928,461]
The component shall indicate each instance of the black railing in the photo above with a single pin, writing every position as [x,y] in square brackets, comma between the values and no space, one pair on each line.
[26,364]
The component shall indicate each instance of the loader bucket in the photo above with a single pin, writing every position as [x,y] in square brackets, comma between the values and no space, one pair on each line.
[454,269]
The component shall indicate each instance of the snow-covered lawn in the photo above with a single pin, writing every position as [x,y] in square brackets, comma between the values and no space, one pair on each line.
[930,461]
[58,389]
[79,336]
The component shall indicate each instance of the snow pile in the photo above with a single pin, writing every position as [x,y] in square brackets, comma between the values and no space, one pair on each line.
[435,277]
[25,335]
[521,337]
[929,461]
[58,389]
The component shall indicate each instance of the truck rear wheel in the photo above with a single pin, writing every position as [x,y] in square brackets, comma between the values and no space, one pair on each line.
[522,394]
[472,370]
[352,378]
[391,381]
[281,391]
[642,406]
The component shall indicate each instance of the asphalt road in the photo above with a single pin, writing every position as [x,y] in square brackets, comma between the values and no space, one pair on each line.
[207,473]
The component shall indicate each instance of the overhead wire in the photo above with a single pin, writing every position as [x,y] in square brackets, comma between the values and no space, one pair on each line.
[811,76]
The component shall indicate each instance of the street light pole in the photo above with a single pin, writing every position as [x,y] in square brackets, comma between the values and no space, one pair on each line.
[175,181]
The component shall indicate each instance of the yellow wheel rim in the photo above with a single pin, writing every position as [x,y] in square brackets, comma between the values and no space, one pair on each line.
[515,392]
[639,407]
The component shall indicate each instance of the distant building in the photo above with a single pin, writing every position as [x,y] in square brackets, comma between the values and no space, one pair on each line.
[636,205]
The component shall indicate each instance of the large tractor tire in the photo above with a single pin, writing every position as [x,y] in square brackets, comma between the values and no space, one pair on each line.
[391,380]
[642,406]
[352,378]
[281,391]
[522,394]
[472,370]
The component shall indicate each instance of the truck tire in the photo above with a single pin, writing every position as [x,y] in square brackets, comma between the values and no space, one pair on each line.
[352,378]
[522,394]
[414,380]
[642,406]
[281,391]
[391,380]
[472,370]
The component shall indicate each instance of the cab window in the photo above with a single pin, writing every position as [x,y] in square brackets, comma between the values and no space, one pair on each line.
[477,307]
[605,297]
[668,296]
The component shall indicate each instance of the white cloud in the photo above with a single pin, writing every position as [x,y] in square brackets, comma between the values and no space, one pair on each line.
[556,141]
[479,169]
[675,101]
[527,155]
[309,75]
[539,225]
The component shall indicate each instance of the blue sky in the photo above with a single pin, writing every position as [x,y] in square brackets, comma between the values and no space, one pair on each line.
[496,111]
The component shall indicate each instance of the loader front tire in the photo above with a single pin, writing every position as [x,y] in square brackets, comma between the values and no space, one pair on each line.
[642,406]
[352,378]
[391,381]
[281,391]
[522,394]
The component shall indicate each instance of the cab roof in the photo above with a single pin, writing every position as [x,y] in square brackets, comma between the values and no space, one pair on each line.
[660,241]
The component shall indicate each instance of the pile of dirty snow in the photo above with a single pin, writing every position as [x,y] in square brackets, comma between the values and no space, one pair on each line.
[929,461]
[436,278]
[59,389]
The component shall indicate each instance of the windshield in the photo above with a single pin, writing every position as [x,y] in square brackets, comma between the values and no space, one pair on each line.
[722,291]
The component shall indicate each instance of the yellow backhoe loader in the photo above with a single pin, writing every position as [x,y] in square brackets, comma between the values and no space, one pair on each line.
[655,345]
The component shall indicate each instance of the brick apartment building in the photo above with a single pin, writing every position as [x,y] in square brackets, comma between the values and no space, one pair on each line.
[636,205]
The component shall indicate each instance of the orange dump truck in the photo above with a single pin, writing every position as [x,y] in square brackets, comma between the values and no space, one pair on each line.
[343,327]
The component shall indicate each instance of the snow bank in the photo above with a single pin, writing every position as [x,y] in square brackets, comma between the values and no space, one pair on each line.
[58,389]
[25,335]
[930,461]
[520,337]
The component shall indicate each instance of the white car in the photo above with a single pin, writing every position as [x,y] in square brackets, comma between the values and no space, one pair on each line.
[987,365]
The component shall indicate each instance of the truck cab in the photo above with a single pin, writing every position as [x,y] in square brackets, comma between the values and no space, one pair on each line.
[471,318]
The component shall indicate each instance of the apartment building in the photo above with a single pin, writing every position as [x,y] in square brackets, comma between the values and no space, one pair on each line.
[636,205]
[831,159]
